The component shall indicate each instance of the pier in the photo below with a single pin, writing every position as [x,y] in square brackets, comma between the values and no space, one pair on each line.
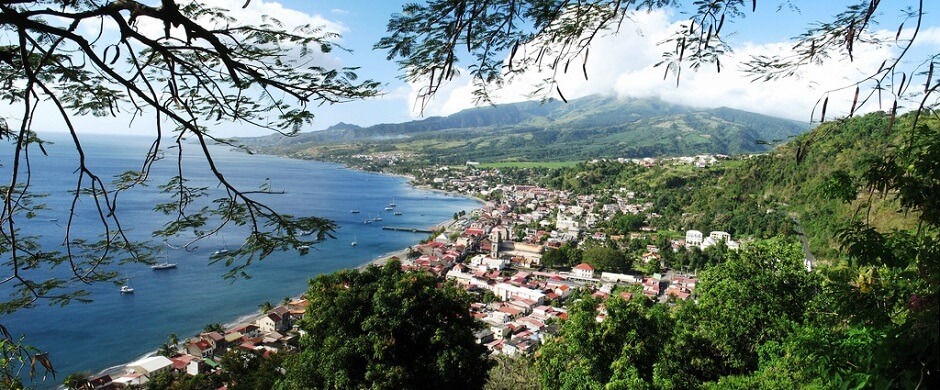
[407,229]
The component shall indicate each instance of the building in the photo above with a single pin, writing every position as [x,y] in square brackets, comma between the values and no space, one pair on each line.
[151,365]
[693,238]
[583,270]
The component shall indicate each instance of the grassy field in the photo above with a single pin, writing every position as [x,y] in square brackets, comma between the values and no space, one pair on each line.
[529,164]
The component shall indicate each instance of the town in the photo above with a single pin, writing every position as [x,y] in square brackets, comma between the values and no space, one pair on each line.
[496,254]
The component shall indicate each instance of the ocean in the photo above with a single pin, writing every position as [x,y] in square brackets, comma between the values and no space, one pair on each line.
[116,329]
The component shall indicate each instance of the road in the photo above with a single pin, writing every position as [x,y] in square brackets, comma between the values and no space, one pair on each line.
[810,260]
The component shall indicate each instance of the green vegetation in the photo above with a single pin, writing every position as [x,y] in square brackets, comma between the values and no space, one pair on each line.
[528,164]
[385,328]
[552,131]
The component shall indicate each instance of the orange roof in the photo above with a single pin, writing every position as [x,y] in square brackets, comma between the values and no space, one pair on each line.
[584,266]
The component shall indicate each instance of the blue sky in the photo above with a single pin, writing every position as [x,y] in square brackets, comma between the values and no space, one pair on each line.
[766,31]
[625,69]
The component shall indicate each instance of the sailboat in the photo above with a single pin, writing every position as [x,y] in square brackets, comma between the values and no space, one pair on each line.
[126,288]
[355,210]
[164,264]
[224,249]
[354,241]
[391,206]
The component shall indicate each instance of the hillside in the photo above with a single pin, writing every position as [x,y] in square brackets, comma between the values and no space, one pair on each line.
[824,188]
[585,128]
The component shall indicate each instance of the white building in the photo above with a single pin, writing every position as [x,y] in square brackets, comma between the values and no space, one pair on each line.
[504,291]
[583,270]
[720,236]
[151,365]
[693,238]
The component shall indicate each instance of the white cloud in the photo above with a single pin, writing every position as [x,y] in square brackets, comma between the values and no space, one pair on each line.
[623,64]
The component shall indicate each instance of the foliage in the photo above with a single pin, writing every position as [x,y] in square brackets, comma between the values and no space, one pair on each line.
[399,330]
[428,40]
[622,223]
[17,358]
[516,372]
[251,370]
[607,259]
[619,351]
[189,68]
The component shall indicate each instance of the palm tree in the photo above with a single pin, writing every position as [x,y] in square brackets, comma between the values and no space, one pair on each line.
[166,350]
[266,307]
[174,339]
[216,327]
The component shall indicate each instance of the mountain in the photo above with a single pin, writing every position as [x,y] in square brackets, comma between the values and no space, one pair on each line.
[590,127]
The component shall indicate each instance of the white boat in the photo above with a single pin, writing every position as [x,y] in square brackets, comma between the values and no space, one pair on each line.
[398,213]
[163,265]
[354,211]
[125,289]
[389,208]
[354,241]
[224,248]
[377,219]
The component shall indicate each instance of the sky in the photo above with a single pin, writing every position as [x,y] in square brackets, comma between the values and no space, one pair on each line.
[621,64]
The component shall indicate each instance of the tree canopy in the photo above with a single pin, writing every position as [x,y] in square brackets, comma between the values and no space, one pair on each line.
[183,67]
[389,329]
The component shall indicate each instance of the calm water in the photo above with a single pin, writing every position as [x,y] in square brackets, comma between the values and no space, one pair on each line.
[117,328]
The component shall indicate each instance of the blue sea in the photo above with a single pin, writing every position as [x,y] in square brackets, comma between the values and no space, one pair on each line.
[116,328]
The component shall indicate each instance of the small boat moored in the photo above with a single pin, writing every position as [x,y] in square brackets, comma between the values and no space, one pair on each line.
[163,265]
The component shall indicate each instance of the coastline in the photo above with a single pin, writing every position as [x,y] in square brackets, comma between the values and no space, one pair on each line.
[120,369]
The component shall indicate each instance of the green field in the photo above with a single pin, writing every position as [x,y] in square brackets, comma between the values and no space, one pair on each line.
[529,164]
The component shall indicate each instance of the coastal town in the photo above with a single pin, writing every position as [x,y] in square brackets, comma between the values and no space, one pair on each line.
[494,253]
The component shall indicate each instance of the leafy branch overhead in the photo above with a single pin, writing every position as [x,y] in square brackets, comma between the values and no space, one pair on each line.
[188,68]
[501,39]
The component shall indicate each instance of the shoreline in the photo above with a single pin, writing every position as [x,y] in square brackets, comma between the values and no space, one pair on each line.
[379,261]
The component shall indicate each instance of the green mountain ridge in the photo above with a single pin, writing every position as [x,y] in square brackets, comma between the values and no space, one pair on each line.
[590,127]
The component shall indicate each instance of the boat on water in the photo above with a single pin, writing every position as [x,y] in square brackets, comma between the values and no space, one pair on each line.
[125,289]
[355,241]
[163,265]
[354,211]
[398,213]
[377,219]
